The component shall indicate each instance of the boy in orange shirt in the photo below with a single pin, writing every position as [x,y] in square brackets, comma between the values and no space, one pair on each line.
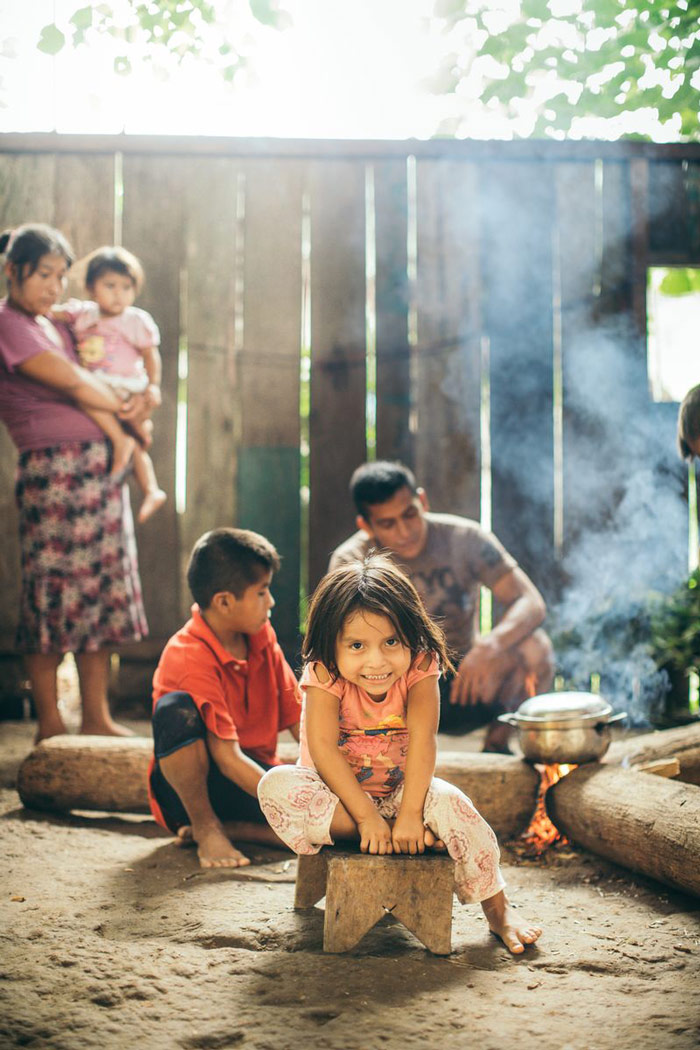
[222,692]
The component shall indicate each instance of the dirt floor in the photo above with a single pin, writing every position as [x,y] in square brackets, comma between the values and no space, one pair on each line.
[112,938]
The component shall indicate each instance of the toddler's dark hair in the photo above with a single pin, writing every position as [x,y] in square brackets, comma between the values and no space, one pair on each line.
[228,560]
[25,246]
[113,259]
[378,586]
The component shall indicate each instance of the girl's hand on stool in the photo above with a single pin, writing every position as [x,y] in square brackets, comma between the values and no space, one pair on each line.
[375,834]
[409,833]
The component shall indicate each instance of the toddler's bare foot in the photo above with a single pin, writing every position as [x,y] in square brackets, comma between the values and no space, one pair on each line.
[104,727]
[215,850]
[152,501]
[505,924]
[184,838]
[122,451]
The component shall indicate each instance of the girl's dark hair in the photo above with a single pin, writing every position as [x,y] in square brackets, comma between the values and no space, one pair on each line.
[113,260]
[378,586]
[27,244]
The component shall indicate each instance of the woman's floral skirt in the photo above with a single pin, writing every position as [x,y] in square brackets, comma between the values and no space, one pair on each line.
[81,590]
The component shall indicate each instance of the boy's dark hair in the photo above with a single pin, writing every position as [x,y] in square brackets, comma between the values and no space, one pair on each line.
[26,245]
[113,260]
[378,586]
[228,560]
[377,482]
[689,422]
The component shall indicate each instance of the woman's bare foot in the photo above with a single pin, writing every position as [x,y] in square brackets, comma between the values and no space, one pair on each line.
[215,850]
[104,728]
[152,501]
[122,451]
[48,728]
[504,923]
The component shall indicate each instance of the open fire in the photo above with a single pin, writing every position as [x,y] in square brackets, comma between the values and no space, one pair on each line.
[541,833]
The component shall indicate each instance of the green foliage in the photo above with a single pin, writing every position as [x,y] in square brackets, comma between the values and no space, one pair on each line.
[611,56]
[675,634]
[164,29]
[680,280]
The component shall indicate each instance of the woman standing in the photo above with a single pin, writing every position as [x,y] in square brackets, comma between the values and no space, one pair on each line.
[80,585]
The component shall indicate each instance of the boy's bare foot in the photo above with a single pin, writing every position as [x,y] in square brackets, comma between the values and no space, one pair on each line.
[122,451]
[515,933]
[104,728]
[215,850]
[152,501]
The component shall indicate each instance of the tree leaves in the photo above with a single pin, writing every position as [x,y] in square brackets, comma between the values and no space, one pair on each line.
[51,40]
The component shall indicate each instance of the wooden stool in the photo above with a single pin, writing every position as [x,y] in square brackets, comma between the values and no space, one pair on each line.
[360,888]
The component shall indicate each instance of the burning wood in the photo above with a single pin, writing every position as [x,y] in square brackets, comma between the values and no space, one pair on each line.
[541,833]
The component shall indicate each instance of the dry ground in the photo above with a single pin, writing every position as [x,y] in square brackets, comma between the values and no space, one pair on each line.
[112,938]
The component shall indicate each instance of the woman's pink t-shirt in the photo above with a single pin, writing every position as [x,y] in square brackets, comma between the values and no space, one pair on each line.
[35,415]
[372,734]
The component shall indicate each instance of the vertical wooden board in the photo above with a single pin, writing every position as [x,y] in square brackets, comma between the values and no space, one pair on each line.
[392,306]
[153,230]
[268,476]
[578,277]
[670,233]
[338,344]
[448,375]
[211,224]
[517,215]
[27,186]
[85,200]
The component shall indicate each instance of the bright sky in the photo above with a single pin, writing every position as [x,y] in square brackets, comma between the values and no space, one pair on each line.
[343,69]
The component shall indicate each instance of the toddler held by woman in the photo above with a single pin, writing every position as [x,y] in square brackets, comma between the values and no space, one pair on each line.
[368,741]
[119,342]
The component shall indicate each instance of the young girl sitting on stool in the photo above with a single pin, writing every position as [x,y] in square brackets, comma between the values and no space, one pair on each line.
[368,741]
[119,342]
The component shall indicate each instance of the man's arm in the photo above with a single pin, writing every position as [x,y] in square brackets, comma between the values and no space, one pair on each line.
[524,612]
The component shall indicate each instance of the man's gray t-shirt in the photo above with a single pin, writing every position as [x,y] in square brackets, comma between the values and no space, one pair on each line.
[457,558]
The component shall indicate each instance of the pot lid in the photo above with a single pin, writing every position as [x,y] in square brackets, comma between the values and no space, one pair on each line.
[564,707]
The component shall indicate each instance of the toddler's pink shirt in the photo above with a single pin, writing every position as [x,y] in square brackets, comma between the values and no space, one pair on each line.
[372,734]
[111,344]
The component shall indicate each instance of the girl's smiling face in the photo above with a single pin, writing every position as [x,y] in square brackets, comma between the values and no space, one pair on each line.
[40,290]
[369,653]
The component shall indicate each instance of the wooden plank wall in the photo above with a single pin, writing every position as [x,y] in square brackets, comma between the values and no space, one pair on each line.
[532,263]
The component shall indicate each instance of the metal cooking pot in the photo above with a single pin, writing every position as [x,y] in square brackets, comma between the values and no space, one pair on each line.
[565,728]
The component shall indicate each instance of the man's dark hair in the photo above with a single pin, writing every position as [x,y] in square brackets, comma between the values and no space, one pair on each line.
[377,482]
[228,560]
[689,422]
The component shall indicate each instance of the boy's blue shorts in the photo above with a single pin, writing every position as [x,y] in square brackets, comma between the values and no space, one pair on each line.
[177,723]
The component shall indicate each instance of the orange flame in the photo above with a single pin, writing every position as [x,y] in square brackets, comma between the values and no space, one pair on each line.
[531,684]
[541,834]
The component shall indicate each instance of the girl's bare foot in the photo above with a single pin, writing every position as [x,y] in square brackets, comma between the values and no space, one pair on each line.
[122,451]
[504,923]
[431,842]
[104,728]
[152,501]
[215,850]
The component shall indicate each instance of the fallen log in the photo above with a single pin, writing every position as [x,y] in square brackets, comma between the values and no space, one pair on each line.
[648,824]
[682,743]
[109,774]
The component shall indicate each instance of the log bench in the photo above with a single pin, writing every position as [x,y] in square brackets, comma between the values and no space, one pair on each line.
[360,888]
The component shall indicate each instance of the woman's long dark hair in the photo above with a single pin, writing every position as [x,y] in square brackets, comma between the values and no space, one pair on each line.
[378,586]
[27,244]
